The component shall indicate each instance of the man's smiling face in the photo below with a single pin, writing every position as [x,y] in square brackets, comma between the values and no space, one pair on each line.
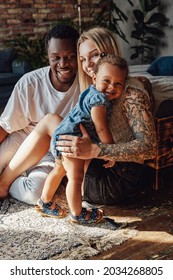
[63,62]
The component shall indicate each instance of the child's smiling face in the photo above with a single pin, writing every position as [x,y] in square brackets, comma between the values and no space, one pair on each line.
[110,80]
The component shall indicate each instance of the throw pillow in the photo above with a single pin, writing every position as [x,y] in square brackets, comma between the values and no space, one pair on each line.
[6,58]
[162,66]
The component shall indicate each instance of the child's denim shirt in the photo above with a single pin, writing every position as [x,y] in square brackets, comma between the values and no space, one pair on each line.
[81,113]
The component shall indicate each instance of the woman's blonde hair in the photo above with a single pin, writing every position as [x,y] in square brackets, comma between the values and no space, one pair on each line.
[105,41]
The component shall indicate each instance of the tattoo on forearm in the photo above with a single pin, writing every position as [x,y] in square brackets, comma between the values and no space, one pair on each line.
[143,143]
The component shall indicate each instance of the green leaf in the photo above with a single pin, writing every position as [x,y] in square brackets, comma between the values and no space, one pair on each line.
[148,5]
[155,31]
[158,18]
[138,15]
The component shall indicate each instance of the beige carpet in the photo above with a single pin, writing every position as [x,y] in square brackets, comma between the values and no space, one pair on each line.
[24,234]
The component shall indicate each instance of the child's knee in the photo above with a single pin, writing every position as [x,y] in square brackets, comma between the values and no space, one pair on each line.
[77,175]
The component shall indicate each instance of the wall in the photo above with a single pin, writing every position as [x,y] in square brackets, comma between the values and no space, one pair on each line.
[168,50]
[35,17]
[167,9]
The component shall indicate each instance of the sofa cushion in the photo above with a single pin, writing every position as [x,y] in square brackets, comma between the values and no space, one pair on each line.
[6,58]
[21,66]
[162,66]
[9,78]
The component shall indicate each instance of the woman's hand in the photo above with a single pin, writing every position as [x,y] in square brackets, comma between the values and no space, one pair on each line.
[78,147]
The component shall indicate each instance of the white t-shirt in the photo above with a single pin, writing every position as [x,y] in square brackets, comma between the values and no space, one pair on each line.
[33,97]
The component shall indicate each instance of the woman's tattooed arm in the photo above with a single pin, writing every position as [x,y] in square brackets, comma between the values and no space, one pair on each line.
[143,145]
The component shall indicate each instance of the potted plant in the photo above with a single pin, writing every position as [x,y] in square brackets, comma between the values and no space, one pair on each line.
[148,30]
[30,50]
[108,14]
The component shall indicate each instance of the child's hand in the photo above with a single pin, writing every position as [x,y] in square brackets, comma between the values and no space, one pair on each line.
[109,163]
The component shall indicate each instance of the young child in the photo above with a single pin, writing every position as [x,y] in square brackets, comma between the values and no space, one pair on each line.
[92,111]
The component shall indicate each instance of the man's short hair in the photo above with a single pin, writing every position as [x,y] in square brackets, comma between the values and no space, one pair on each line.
[62,31]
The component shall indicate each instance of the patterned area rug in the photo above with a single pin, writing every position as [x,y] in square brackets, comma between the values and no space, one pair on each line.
[24,234]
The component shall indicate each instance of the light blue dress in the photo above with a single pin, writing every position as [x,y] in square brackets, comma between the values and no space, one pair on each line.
[81,113]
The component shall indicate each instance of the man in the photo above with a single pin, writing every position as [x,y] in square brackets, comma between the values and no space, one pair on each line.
[51,89]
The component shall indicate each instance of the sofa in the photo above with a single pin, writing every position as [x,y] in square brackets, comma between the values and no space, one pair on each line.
[11,70]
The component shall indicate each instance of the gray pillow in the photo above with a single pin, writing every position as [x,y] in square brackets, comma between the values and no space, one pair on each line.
[6,58]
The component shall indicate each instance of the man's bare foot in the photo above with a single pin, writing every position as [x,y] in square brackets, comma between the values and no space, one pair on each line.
[3,193]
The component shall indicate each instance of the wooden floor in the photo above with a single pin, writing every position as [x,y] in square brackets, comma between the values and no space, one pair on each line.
[152,215]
